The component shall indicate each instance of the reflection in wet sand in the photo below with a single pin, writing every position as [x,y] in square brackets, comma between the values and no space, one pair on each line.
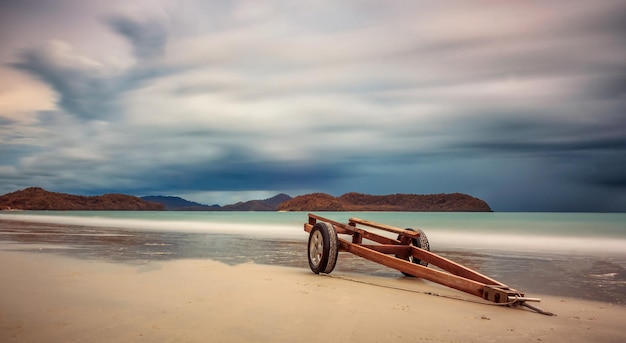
[566,275]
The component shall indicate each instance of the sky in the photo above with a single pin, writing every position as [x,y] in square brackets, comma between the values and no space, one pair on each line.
[519,103]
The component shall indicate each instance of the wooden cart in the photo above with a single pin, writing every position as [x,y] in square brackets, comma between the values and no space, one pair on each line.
[409,253]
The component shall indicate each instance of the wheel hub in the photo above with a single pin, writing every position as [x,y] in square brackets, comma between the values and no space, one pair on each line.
[316,247]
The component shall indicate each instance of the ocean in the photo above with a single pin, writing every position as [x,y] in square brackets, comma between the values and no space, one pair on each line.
[581,255]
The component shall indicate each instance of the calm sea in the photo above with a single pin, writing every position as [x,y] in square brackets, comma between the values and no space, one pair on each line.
[579,255]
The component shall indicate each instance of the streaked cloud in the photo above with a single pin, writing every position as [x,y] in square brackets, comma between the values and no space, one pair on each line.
[520,103]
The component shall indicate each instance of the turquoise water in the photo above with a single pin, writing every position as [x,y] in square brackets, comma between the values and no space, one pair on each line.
[597,233]
[580,255]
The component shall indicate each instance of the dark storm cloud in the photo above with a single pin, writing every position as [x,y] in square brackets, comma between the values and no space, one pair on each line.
[147,37]
[608,87]
[228,175]
[10,154]
[83,89]
[604,169]
[616,145]
[238,169]
[584,154]
[246,175]
[519,102]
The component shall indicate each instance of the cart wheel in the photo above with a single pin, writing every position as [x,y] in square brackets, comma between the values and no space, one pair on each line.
[421,243]
[323,248]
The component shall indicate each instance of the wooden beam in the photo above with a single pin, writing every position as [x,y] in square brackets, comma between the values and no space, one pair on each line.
[376,238]
[460,283]
[340,230]
[308,227]
[351,229]
[330,221]
[452,267]
[395,249]
[409,233]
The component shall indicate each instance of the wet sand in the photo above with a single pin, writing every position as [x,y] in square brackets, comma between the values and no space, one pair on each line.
[50,298]
[595,278]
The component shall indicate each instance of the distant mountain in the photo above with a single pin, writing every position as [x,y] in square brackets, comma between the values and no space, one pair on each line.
[173,203]
[35,198]
[258,205]
[455,202]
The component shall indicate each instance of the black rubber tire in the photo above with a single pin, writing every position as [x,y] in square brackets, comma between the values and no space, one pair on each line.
[422,243]
[323,248]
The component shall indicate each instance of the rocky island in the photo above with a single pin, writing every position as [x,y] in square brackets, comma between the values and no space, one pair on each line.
[35,198]
[455,202]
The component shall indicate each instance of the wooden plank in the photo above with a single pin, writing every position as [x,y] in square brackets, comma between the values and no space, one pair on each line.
[460,283]
[389,248]
[412,234]
[376,238]
[330,221]
[345,227]
[351,226]
[340,230]
[350,229]
[452,267]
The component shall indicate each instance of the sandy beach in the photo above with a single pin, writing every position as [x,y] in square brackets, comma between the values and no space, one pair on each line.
[50,298]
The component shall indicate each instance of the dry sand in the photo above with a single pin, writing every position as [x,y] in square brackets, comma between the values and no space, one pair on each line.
[48,298]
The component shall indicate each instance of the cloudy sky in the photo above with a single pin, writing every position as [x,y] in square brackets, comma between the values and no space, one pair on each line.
[519,103]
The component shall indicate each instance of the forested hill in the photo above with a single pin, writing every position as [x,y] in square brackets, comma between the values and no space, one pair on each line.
[455,202]
[35,198]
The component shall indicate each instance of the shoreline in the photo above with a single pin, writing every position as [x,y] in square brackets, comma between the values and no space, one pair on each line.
[46,297]
[595,278]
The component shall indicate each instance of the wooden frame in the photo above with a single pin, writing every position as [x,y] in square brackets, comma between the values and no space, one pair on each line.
[394,254]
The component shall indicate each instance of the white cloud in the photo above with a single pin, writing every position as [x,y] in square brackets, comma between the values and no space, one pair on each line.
[215,87]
